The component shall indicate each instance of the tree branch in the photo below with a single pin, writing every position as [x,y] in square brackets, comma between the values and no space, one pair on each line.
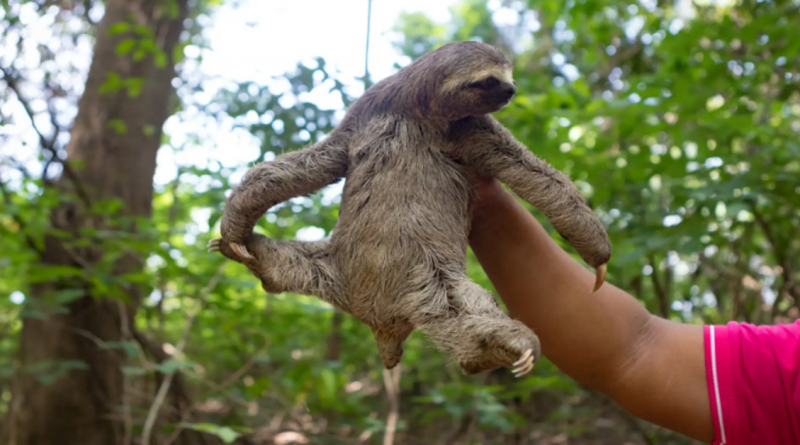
[788,285]
[391,379]
[161,394]
[622,55]
[661,291]
[181,397]
[47,144]
[236,375]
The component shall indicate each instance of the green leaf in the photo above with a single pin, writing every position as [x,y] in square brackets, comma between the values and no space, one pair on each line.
[129,347]
[119,28]
[173,10]
[160,59]
[133,371]
[139,55]
[226,434]
[112,84]
[125,46]
[118,125]
[143,31]
[39,274]
[64,296]
[134,86]
[170,366]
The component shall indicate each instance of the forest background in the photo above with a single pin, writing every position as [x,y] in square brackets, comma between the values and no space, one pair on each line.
[124,123]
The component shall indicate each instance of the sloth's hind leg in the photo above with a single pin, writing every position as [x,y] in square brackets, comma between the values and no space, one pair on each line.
[291,266]
[479,335]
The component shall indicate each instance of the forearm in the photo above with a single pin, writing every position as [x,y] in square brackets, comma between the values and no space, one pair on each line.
[289,175]
[584,334]
[608,341]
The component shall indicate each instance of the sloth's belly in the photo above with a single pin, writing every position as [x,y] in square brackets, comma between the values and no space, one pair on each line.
[411,218]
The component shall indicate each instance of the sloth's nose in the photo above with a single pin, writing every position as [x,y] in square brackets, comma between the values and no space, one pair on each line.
[508,90]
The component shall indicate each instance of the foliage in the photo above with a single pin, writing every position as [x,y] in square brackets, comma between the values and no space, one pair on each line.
[677,121]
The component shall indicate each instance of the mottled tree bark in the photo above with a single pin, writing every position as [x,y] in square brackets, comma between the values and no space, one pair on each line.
[84,407]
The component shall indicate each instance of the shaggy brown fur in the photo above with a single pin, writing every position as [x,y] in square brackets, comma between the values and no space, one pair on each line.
[396,260]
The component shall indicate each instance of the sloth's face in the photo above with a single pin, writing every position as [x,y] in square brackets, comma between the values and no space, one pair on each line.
[491,93]
[482,92]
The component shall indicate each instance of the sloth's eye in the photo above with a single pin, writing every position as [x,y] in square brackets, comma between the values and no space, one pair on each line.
[486,84]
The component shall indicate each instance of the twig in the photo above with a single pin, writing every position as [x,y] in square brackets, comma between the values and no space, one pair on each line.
[99,342]
[661,291]
[155,349]
[366,50]
[72,175]
[19,166]
[468,420]
[126,404]
[607,406]
[171,217]
[13,86]
[788,285]
[334,349]
[177,431]
[216,388]
[48,144]
[236,375]
[463,426]
[7,200]
[165,384]
[622,55]
[391,379]
[635,426]
[53,139]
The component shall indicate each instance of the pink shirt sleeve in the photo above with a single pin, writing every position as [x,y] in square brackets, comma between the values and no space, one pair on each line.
[753,375]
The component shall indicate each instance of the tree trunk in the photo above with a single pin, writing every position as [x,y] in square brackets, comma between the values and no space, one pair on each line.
[106,159]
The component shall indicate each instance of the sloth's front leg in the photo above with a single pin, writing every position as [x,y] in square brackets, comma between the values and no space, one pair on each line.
[493,151]
[290,266]
[267,184]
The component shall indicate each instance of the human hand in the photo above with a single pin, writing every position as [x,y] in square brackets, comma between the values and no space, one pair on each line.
[488,190]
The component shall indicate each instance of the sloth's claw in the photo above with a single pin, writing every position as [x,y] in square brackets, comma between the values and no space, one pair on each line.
[525,356]
[241,251]
[524,365]
[601,277]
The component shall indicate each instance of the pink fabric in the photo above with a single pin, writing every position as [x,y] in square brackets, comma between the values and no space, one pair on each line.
[753,377]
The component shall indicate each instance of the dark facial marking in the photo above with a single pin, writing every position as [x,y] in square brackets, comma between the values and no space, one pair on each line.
[496,90]
[489,83]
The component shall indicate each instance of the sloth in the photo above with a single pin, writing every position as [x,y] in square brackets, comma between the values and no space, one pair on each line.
[409,149]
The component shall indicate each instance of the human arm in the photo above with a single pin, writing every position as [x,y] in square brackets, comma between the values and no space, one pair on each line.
[651,367]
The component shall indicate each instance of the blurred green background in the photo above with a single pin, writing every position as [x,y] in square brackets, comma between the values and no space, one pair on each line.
[678,120]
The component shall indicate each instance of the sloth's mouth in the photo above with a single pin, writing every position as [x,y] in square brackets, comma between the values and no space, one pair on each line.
[501,98]
[502,101]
